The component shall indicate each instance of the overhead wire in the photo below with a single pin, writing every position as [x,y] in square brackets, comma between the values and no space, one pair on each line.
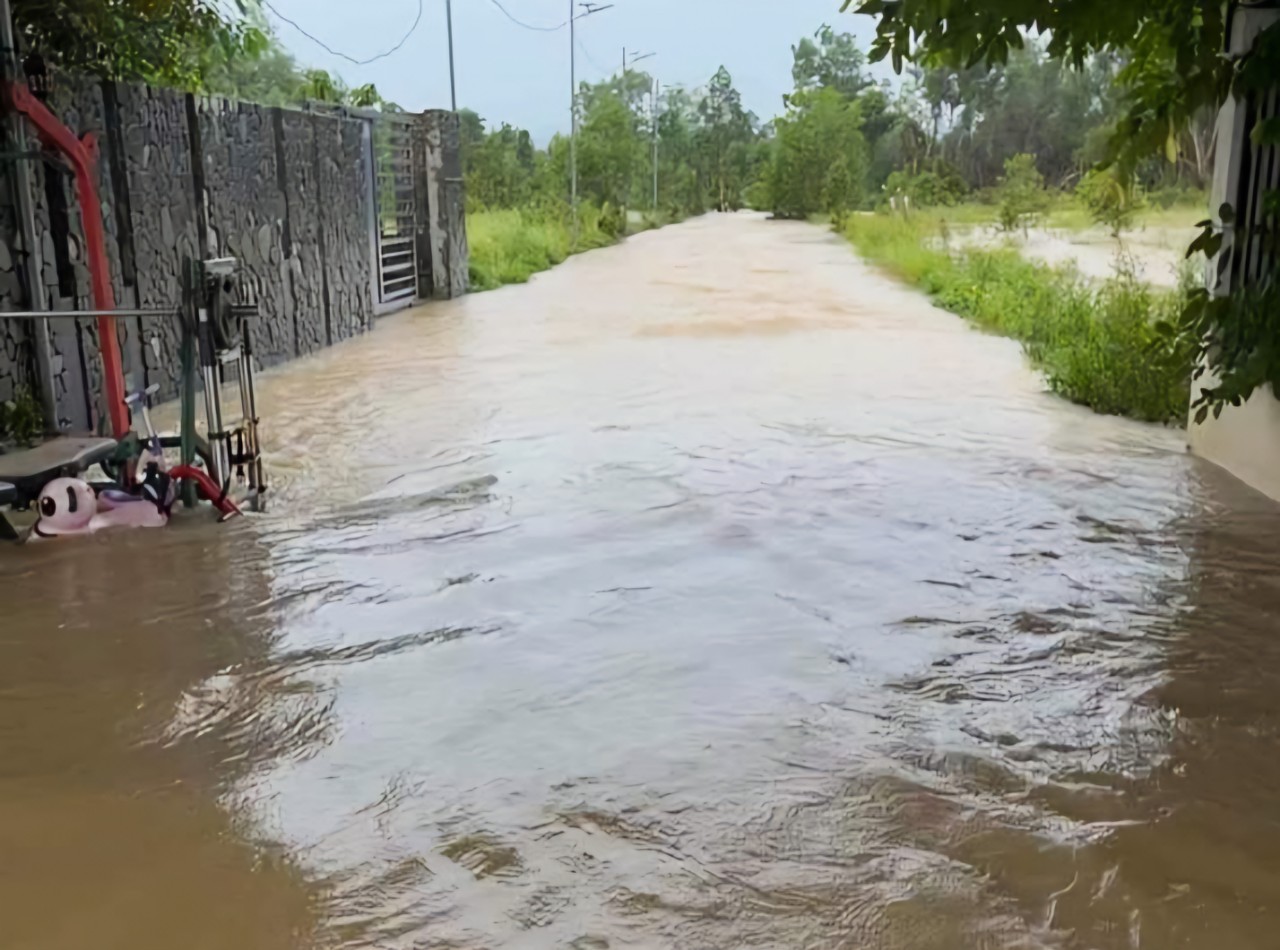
[528,26]
[338,53]
[591,61]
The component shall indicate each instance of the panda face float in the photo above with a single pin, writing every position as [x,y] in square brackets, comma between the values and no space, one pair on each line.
[66,506]
[69,506]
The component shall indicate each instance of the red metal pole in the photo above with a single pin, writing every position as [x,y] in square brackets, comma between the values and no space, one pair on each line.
[83,156]
[208,486]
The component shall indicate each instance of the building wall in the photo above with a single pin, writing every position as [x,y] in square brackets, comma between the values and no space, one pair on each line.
[183,176]
[1244,440]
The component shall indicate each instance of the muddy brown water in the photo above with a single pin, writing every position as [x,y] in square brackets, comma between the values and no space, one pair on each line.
[710,591]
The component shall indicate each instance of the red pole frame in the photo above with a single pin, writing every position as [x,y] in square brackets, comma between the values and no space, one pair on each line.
[207,485]
[83,155]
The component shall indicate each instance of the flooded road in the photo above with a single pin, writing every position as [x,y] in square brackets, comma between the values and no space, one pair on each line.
[711,591]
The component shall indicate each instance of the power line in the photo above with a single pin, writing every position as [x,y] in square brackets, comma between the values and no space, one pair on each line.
[591,59]
[341,55]
[528,26]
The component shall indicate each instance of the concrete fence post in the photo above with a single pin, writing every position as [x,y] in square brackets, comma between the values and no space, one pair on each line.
[440,230]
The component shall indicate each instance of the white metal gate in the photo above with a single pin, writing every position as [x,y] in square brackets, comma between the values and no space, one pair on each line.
[394,211]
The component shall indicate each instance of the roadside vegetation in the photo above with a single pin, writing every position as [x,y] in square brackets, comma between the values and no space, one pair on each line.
[519,216]
[1020,146]
[1096,343]
[510,245]
[1033,113]
[1151,119]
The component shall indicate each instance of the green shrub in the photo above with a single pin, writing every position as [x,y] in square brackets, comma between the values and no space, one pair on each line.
[1111,202]
[1093,342]
[21,420]
[1107,364]
[928,189]
[1172,196]
[1021,192]
[511,245]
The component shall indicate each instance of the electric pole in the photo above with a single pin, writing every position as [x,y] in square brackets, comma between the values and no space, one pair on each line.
[453,86]
[631,61]
[573,122]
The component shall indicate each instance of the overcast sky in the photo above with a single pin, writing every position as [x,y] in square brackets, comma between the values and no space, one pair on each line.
[521,76]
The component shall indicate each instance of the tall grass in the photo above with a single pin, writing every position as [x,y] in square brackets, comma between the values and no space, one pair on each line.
[1067,213]
[509,246]
[1095,343]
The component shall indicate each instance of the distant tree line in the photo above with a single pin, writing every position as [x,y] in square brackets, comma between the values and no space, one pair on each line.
[843,141]
[709,150]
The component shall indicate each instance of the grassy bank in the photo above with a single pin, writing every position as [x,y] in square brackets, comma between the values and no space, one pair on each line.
[509,246]
[1095,343]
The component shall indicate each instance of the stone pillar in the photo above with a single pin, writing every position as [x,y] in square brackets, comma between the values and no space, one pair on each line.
[440,231]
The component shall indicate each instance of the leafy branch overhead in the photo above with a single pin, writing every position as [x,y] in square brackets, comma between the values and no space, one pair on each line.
[168,41]
[197,45]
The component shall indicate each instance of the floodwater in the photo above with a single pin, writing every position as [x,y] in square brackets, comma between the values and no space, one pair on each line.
[711,591]
[1155,255]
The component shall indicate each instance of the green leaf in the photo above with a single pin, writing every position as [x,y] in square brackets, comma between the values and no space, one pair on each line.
[1201,415]
[1266,132]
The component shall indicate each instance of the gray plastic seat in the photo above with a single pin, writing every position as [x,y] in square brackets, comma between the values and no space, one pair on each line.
[26,471]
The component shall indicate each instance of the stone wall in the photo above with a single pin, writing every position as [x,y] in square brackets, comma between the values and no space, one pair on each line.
[440,243]
[180,176]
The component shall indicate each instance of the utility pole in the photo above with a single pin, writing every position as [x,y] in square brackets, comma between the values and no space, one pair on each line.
[453,86]
[628,61]
[572,114]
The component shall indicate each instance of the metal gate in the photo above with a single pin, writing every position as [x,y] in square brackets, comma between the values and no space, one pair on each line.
[396,279]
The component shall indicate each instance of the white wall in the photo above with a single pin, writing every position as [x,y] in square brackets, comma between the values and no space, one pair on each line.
[1245,441]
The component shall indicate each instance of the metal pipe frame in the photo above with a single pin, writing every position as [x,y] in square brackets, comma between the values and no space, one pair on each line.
[77,314]
[82,154]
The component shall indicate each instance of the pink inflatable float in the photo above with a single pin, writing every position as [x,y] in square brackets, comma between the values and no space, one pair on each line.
[69,506]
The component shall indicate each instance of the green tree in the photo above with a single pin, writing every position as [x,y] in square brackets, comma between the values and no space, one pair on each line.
[727,131]
[264,72]
[608,151]
[164,41]
[830,60]
[682,187]
[1173,67]
[470,135]
[1112,202]
[1173,74]
[819,157]
[1021,192]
